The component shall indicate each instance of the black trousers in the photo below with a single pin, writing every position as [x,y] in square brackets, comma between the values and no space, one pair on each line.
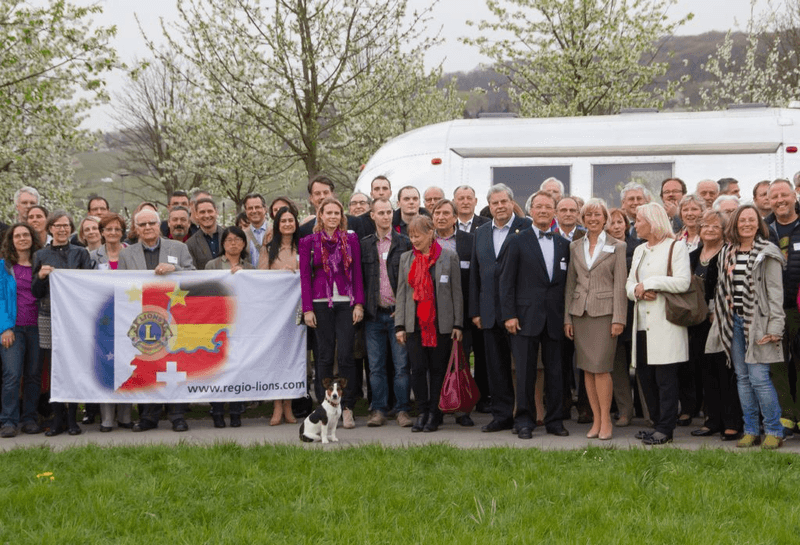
[428,362]
[526,352]
[721,401]
[690,373]
[335,334]
[498,367]
[660,387]
[234,407]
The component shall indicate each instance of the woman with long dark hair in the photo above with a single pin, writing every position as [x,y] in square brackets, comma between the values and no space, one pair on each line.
[281,255]
[20,332]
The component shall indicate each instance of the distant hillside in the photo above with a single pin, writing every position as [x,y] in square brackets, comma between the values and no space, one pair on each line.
[684,54]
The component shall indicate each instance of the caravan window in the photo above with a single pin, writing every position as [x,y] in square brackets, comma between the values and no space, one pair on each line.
[608,180]
[524,181]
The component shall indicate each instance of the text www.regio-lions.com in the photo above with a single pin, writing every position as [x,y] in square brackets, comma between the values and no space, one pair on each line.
[244,388]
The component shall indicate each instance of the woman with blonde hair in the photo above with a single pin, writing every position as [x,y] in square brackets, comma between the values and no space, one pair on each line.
[659,346]
[333,298]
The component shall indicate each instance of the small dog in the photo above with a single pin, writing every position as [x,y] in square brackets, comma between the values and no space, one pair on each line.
[321,424]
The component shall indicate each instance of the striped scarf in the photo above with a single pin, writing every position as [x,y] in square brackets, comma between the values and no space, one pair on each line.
[723,298]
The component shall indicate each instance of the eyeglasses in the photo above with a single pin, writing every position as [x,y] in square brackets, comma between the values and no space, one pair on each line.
[61,226]
[146,224]
[358,202]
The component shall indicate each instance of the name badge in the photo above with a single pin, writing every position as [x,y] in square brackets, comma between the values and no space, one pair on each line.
[465,264]
[172,259]
[385,256]
[608,249]
[563,265]
[102,266]
[444,279]
[796,246]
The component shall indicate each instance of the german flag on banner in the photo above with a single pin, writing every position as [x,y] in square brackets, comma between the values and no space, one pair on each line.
[184,324]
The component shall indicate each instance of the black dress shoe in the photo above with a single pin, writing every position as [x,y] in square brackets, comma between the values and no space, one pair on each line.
[74,430]
[236,420]
[559,432]
[126,425]
[525,433]
[55,430]
[735,436]
[641,434]
[105,429]
[181,425]
[419,423]
[657,438]
[465,421]
[497,425]
[704,432]
[684,421]
[219,420]
[145,425]
[434,420]
[88,419]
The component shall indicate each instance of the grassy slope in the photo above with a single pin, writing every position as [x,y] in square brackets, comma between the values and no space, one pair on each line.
[436,494]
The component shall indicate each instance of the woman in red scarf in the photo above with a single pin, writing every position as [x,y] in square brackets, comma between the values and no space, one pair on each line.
[333,298]
[429,314]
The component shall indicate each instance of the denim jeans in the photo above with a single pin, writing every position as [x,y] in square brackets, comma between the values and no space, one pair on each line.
[378,332]
[21,361]
[755,387]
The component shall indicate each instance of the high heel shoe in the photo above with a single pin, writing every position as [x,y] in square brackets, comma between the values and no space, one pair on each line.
[287,412]
[277,413]
[592,434]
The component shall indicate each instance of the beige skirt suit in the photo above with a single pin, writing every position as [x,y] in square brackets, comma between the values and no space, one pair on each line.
[594,299]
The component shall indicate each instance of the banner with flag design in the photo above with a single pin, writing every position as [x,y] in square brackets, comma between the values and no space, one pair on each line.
[134,337]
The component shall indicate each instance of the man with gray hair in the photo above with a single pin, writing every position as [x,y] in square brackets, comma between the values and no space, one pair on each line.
[359,203]
[491,239]
[726,204]
[162,256]
[708,190]
[554,186]
[431,196]
[24,198]
[465,201]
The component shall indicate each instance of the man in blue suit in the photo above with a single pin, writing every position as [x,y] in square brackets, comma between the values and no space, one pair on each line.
[491,240]
[533,274]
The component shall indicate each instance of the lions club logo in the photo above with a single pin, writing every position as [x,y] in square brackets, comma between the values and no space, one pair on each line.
[150,332]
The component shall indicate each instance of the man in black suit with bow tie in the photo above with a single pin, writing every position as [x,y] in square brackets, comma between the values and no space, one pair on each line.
[533,274]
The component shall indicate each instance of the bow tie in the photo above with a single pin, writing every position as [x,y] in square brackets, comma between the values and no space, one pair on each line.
[547,234]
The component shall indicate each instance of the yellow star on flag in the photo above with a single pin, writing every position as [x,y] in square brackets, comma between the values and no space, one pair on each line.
[134,294]
[177,296]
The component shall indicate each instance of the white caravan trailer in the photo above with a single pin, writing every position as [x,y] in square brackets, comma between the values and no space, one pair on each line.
[593,156]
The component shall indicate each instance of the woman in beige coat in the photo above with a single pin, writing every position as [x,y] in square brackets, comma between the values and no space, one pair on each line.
[595,310]
[658,345]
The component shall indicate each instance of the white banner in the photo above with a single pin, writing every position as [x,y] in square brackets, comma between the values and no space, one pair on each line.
[134,337]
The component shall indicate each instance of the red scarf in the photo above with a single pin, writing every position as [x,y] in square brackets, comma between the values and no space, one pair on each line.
[419,278]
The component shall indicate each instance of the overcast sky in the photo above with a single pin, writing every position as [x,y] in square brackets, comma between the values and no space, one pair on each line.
[449,16]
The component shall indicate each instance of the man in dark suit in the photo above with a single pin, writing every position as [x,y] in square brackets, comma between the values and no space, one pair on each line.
[320,187]
[465,200]
[205,244]
[491,240]
[533,274]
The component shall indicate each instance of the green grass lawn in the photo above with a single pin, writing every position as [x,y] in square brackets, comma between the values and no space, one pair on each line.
[435,494]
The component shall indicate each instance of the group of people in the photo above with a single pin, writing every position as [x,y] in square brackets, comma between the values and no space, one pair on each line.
[564,295]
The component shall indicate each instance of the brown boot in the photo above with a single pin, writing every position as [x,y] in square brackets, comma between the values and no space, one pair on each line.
[277,412]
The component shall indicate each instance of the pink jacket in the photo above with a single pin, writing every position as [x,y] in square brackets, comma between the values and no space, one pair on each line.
[314,279]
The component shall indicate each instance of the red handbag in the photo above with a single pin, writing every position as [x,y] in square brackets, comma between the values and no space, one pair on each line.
[459,391]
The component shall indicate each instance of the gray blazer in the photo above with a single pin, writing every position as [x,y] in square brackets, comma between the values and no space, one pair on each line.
[449,299]
[132,257]
[598,291]
[198,248]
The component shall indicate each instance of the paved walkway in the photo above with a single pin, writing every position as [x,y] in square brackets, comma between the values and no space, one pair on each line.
[256,431]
